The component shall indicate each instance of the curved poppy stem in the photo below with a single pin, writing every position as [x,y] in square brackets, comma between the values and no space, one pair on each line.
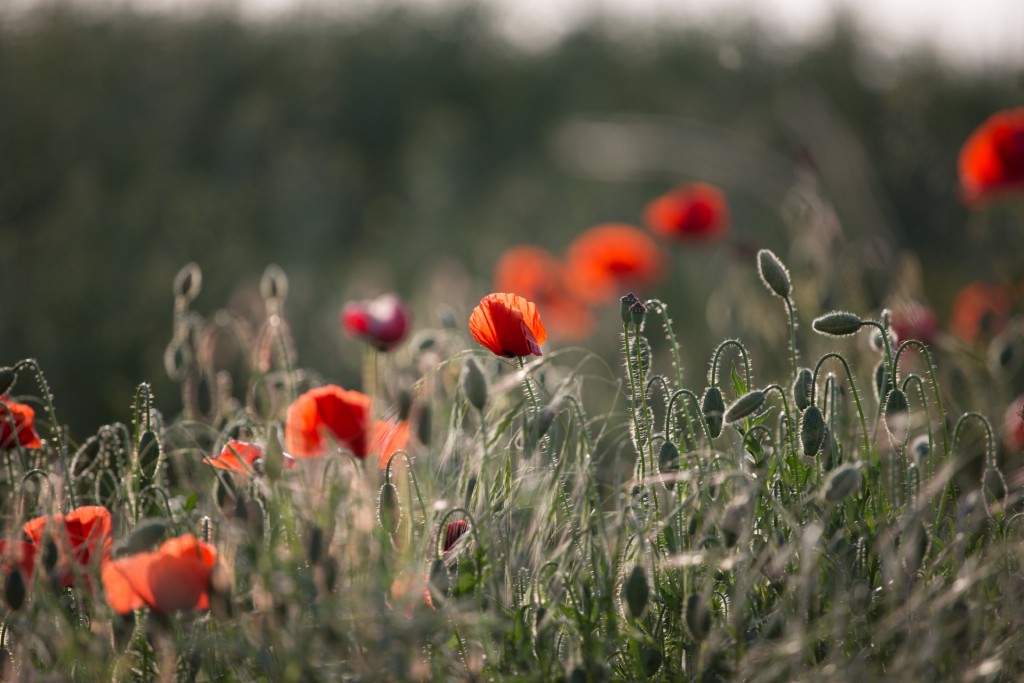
[853,390]
[670,334]
[62,446]
[713,376]
[931,378]
[412,476]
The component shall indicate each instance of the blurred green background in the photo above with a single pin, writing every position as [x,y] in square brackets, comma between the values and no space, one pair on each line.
[404,151]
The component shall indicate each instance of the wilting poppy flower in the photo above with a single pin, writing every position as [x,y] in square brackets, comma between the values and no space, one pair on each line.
[175,577]
[611,258]
[382,322]
[536,275]
[914,321]
[992,160]
[241,456]
[23,430]
[692,213]
[81,538]
[508,325]
[980,310]
[331,412]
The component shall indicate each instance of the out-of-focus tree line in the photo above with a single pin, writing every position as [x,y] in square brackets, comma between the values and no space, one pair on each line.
[363,156]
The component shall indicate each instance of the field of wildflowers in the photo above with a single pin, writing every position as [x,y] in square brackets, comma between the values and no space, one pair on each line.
[465,514]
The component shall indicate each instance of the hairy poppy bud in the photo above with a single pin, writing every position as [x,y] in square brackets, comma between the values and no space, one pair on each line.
[389,508]
[812,430]
[744,406]
[773,273]
[698,617]
[837,324]
[637,313]
[404,404]
[897,415]
[842,482]
[802,386]
[636,591]
[474,384]
[149,455]
[144,537]
[7,377]
[668,462]
[15,590]
[713,407]
[423,424]
[625,304]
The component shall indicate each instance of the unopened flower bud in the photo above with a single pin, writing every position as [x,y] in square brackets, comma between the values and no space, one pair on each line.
[698,617]
[389,508]
[773,273]
[474,384]
[625,303]
[802,386]
[812,430]
[744,406]
[842,482]
[837,324]
[637,313]
[897,415]
[668,462]
[713,407]
[636,592]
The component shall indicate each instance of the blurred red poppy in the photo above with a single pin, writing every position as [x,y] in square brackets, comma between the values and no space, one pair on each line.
[508,325]
[175,577]
[382,322]
[81,538]
[17,425]
[611,258]
[331,412]
[536,275]
[914,321]
[690,213]
[992,160]
[242,457]
[980,310]
[1013,426]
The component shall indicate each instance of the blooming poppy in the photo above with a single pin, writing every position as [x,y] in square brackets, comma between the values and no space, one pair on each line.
[331,412]
[174,577]
[607,259]
[992,160]
[508,325]
[382,322]
[241,456]
[535,274]
[980,309]
[692,213]
[17,425]
[453,532]
[82,538]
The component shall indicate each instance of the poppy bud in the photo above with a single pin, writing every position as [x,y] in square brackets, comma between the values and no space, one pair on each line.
[149,455]
[744,406]
[474,384]
[713,407]
[144,537]
[636,591]
[802,386]
[842,482]
[698,617]
[389,508]
[652,659]
[543,421]
[897,415]
[773,273]
[314,544]
[812,430]
[404,404]
[382,322]
[668,462]
[15,590]
[423,424]
[625,304]
[837,324]
[7,377]
[883,383]
[637,313]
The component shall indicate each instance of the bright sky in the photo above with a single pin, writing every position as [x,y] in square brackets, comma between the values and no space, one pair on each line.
[976,33]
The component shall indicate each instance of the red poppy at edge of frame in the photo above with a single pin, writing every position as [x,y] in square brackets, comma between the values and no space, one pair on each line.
[991,161]
[23,431]
[508,325]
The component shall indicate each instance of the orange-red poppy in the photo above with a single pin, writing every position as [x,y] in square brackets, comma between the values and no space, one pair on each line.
[508,325]
[82,539]
[992,160]
[382,322]
[611,258]
[536,275]
[332,413]
[980,310]
[17,425]
[242,457]
[690,213]
[175,577]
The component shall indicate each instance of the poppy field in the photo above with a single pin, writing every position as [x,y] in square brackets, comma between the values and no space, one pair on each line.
[659,449]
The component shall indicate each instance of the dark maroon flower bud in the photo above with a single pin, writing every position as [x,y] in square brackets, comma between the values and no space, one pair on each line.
[382,322]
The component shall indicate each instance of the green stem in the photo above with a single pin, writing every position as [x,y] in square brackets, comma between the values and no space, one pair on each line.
[58,434]
[662,310]
[791,316]
[853,390]
[718,353]
[931,377]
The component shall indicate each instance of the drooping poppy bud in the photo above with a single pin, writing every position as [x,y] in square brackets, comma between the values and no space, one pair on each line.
[773,274]
[837,324]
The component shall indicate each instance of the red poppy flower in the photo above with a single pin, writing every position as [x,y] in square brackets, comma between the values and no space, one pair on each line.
[992,160]
[23,418]
[914,321]
[331,412]
[536,275]
[175,577]
[508,325]
[82,538]
[1013,426]
[382,322]
[608,259]
[241,456]
[692,213]
[453,532]
[980,310]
